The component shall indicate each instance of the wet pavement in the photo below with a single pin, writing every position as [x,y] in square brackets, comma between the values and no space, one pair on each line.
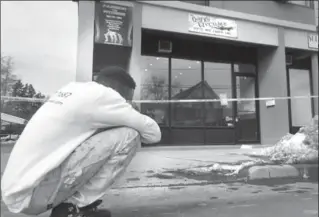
[285,199]
[139,173]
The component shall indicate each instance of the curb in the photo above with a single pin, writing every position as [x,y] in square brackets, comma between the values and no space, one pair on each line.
[255,173]
[304,171]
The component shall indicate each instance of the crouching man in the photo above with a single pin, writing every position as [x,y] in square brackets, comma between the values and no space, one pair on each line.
[75,146]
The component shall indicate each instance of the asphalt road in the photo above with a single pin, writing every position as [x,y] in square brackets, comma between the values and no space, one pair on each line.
[223,200]
[284,205]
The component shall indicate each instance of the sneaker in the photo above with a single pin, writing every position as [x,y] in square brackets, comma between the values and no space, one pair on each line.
[70,210]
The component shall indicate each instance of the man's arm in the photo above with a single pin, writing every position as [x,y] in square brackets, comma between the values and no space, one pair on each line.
[111,109]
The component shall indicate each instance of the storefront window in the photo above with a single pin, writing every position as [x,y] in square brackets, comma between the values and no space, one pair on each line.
[301,111]
[186,84]
[154,86]
[218,85]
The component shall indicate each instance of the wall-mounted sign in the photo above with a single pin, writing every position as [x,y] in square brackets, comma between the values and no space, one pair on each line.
[313,41]
[212,26]
[270,103]
[113,24]
[223,99]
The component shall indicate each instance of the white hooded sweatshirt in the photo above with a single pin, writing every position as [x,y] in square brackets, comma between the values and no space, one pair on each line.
[68,118]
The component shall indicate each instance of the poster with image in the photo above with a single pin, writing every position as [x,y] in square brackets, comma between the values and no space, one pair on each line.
[113,24]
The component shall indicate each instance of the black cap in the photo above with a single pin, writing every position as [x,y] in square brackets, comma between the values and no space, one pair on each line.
[119,74]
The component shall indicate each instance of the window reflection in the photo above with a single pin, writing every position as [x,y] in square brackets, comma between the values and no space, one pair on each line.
[154,86]
[307,3]
[246,89]
[245,68]
[186,84]
[218,85]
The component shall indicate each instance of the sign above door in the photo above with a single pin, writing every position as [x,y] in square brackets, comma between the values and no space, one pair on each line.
[212,26]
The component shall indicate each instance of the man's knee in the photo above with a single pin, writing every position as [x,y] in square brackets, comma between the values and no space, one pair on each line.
[114,139]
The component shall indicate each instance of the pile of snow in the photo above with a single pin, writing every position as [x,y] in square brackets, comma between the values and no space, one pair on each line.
[226,169]
[291,149]
[295,149]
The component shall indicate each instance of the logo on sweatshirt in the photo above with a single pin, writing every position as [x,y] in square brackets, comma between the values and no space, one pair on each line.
[59,96]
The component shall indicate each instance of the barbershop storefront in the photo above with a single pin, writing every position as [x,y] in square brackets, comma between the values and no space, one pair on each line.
[184,55]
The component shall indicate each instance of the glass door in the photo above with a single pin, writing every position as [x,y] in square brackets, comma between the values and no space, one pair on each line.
[246,121]
[300,109]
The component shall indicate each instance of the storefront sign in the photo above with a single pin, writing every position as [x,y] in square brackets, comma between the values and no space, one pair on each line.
[113,24]
[212,26]
[313,41]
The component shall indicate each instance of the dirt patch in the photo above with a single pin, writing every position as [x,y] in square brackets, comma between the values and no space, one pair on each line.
[133,179]
[305,188]
[198,176]
[233,189]
[299,191]
[282,188]
[150,171]
[162,176]
[175,188]
[256,192]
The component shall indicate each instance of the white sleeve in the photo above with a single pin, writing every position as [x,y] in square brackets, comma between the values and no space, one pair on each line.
[111,109]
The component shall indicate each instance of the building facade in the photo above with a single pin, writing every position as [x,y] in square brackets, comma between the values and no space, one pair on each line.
[192,51]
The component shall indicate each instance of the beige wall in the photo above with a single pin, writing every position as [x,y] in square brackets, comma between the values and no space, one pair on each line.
[135,60]
[274,121]
[297,39]
[174,20]
[316,12]
[84,64]
[314,69]
[218,10]
[272,9]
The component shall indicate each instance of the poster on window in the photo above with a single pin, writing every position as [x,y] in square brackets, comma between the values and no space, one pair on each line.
[223,99]
[212,26]
[113,24]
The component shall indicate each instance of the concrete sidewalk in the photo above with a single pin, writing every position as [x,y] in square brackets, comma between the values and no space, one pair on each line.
[149,162]
[154,159]
[146,168]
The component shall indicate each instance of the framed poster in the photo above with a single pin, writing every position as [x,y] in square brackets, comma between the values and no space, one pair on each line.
[313,41]
[113,24]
